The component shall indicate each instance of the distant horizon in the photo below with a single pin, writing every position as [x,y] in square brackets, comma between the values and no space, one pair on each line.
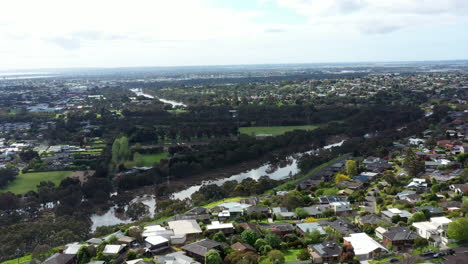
[34,70]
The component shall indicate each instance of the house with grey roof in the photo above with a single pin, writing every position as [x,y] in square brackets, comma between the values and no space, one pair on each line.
[325,252]
[198,250]
[400,238]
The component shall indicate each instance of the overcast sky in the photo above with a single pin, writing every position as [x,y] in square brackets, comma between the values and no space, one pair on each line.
[118,33]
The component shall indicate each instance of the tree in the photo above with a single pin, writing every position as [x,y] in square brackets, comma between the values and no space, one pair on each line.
[303,255]
[116,151]
[260,243]
[313,237]
[339,177]
[249,236]
[458,229]
[220,237]
[413,164]
[310,220]
[417,217]
[241,257]
[396,219]
[420,242]
[83,255]
[464,208]
[273,240]
[276,257]
[136,233]
[40,252]
[293,200]
[137,210]
[138,159]
[351,168]
[213,257]
[347,253]
[301,213]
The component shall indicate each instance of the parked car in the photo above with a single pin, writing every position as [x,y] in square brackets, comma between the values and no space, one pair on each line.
[394,260]
[427,253]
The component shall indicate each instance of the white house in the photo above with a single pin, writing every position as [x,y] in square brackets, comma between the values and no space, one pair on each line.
[364,246]
[436,229]
[341,208]
[113,249]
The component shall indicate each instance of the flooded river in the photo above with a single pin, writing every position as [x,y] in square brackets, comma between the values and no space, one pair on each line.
[139,92]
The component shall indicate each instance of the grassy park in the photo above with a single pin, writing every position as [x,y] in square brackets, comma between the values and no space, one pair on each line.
[28,181]
[274,130]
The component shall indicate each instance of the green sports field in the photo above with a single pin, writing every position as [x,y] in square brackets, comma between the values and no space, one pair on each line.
[29,181]
[274,130]
[150,159]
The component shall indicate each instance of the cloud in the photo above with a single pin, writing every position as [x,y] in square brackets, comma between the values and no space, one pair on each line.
[379,16]
[274,30]
[66,43]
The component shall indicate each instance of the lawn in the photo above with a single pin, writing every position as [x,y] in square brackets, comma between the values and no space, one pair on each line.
[177,111]
[150,159]
[274,130]
[29,181]
[232,199]
[290,255]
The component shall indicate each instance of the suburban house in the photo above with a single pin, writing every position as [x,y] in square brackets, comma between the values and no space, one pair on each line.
[234,209]
[412,198]
[262,210]
[433,211]
[157,230]
[379,231]
[400,238]
[157,243]
[125,240]
[364,246]
[341,208]
[391,212]
[342,226]
[177,257]
[461,189]
[114,249]
[239,246]
[184,230]
[304,228]
[331,199]
[282,213]
[251,226]
[435,229]
[401,195]
[198,250]
[417,184]
[370,219]
[60,258]
[279,229]
[196,213]
[325,252]
[216,226]
[317,210]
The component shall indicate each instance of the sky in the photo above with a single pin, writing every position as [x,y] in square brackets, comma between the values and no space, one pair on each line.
[129,33]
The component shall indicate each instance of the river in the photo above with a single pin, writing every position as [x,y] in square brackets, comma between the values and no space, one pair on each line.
[288,168]
[277,173]
[139,92]
[111,217]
